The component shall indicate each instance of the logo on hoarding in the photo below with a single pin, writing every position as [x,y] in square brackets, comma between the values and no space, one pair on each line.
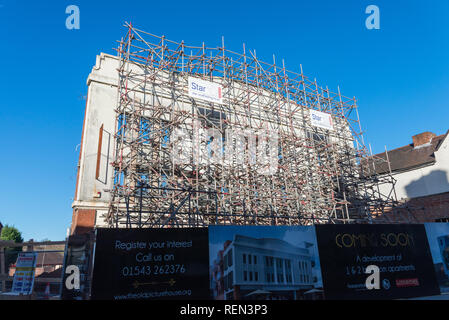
[372,282]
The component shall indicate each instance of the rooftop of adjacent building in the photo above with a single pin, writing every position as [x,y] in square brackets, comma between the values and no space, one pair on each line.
[419,153]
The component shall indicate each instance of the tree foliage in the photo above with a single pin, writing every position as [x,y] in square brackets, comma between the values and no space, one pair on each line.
[10,233]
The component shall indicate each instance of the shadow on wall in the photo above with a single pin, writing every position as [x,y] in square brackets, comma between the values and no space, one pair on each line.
[433,183]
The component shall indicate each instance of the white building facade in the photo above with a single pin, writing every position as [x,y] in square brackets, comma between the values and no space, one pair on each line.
[269,266]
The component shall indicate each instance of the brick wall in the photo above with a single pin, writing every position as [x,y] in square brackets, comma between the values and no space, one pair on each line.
[83,221]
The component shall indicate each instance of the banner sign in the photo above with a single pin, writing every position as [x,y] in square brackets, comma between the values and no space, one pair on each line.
[321,119]
[151,264]
[205,90]
[24,275]
[400,252]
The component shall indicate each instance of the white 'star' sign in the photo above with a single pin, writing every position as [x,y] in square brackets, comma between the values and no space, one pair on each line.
[206,90]
[321,119]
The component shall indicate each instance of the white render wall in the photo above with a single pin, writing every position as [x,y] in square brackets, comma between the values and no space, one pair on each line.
[432,179]
[101,103]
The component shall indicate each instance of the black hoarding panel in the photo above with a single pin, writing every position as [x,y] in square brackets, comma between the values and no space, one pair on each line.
[400,251]
[151,264]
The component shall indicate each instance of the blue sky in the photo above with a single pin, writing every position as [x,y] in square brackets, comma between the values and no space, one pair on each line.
[399,74]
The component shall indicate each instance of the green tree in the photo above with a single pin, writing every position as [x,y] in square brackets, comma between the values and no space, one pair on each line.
[11,233]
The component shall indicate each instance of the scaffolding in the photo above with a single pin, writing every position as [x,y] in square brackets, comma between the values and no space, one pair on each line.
[321,176]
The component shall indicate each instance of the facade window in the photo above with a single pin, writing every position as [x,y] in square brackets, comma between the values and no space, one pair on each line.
[268,268]
[317,138]
[250,276]
[249,259]
[280,269]
[255,259]
[143,182]
[256,276]
[210,118]
[245,276]
[225,282]
[244,258]
[230,258]
[145,130]
[288,270]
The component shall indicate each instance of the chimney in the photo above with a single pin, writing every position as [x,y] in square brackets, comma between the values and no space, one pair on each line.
[422,138]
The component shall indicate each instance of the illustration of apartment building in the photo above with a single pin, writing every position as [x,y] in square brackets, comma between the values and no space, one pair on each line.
[443,243]
[249,268]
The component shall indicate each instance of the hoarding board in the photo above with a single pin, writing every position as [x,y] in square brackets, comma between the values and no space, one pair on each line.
[205,90]
[23,281]
[151,264]
[321,120]
[401,252]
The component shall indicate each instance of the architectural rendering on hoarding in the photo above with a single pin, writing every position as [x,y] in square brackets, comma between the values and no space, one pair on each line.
[281,265]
